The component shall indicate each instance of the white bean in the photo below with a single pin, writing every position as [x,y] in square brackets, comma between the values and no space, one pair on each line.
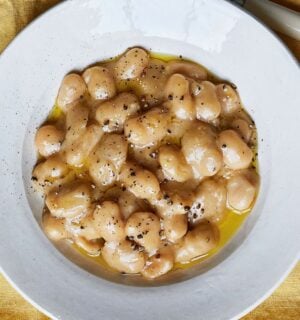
[108,220]
[76,122]
[209,202]
[207,105]
[151,82]
[129,204]
[159,264]
[100,83]
[147,129]
[78,152]
[106,160]
[141,182]
[241,191]
[146,157]
[70,200]
[201,152]
[197,242]
[71,89]
[131,64]
[55,228]
[48,140]
[172,202]
[112,114]
[243,128]
[51,169]
[236,154]
[123,256]
[180,102]
[175,227]
[173,163]
[143,228]
[228,98]
[86,227]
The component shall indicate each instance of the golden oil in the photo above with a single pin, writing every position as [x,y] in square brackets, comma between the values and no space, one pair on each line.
[55,114]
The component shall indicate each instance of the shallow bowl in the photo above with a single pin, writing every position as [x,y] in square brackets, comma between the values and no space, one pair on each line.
[234,46]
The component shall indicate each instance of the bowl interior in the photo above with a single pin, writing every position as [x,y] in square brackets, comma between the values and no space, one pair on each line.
[114,45]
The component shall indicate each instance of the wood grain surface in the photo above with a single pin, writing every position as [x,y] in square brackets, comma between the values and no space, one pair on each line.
[283,304]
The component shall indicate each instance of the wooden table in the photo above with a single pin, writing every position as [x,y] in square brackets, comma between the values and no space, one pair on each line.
[284,304]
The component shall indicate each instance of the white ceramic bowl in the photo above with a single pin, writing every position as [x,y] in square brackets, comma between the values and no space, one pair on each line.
[231,44]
